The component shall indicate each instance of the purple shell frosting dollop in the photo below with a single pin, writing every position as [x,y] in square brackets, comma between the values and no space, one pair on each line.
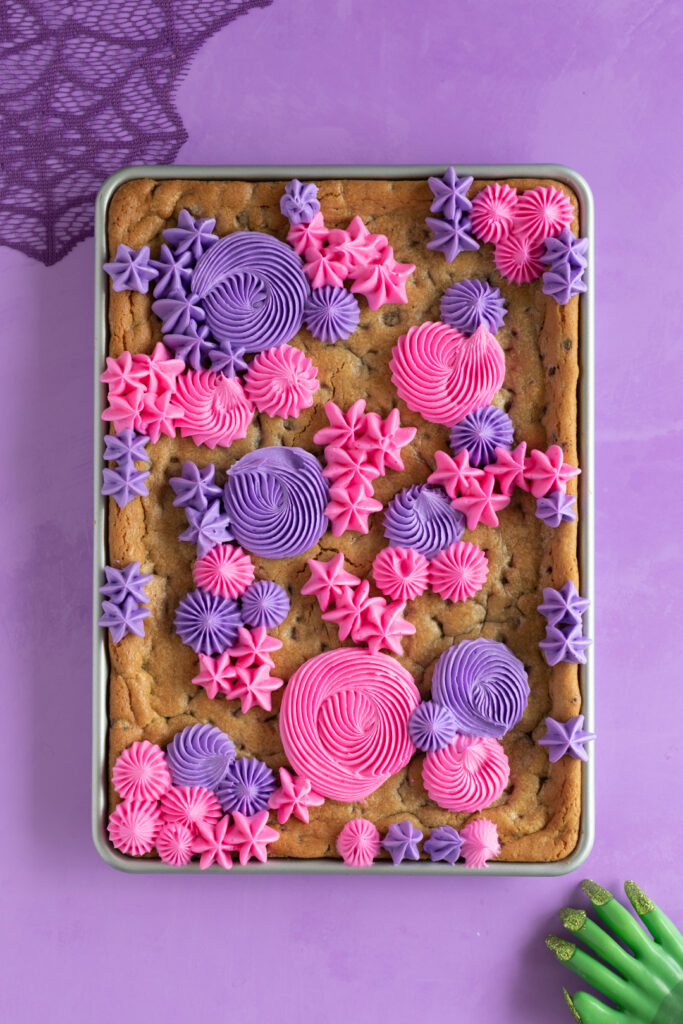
[208,623]
[200,755]
[130,269]
[252,288]
[124,482]
[299,204]
[401,841]
[444,843]
[264,603]
[246,787]
[275,499]
[174,274]
[195,487]
[555,508]
[422,517]
[190,235]
[431,726]
[480,433]
[484,685]
[206,528]
[466,305]
[331,313]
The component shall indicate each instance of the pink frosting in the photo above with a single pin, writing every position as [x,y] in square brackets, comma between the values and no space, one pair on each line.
[213,844]
[382,441]
[141,772]
[323,267]
[344,721]
[357,247]
[458,572]
[455,475]
[542,212]
[547,471]
[349,468]
[443,375]
[479,842]
[401,573]
[349,508]
[480,504]
[225,570]
[254,647]
[174,844]
[308,236]
[519,259]
[293,797]
[216,675]
[215,409]
[383,280]
[190,806]
[141,392]
[351,610]
[134,826]
[358,843]
[468,774]
[255,686]
[383,626]
[329,580]
[251,835]
[345,428]
[281,381]
[509,468]
[493,211]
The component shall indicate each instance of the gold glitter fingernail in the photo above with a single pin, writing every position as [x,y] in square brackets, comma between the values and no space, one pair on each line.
[572,1009]
[572,919]
[595,893]
[562,949]
[641,903]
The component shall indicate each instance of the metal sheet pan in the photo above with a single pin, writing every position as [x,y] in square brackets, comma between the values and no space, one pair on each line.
[585,502]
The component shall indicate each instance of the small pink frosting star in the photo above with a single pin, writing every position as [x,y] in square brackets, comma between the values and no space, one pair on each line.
[349,468]
[323,267]
[214,844]
[216,675]
[455,475]
[356,246]
[329,580]
[122,374]
[255,686]
[509,468]
[384,627]
[124,409]
[352,608]
[294,796]
[481,504]
[384,280]
[547,471]
[250,836]
[159,415]
[343,426]
[254,647]
[163,369]
[383,440]
[308,236]
[349,509]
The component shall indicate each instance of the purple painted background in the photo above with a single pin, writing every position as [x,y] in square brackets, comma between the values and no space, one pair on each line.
[592,86]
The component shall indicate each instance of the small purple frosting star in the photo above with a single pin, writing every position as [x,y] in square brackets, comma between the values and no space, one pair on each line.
[227,359]
[126,446]
[206,528]
[555,508]
[565,643]
[123,583]
[451,236]
[562,281]
[566,738]
[450,194]
[190,235]
[124,482]
[444,843]
[331,313]
[299,204]
[195,487]
[401,841]
[178,314]
[193,346]
[130,269]
[121,619]
[431,726]
[247,786]
[175,274]
[566,248]
[563,607]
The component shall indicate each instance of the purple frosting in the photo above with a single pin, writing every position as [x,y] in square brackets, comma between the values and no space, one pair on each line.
[401,841]
[481,432]
[331,313]
[566,738]
[451,236]
[468,304]
[190,235]
[484,684]
[200,755]
[264,603]
[563,607]
[566,248]
[444,843]
[563,281]
[566,255]
[431,726]
[252,289]
[450,194]
[193,346]
[227,359]
[130,269]
[246,787]
[275,499]
[555,508]
[206,528]
[195,487]
[127,446]
[207,623]
[179,315]
[175,274]
[127,582]
[565,643]
[121,619]
[300,204]
[124,483]
[422,517]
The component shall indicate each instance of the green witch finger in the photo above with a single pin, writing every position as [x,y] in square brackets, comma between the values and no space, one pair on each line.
[621,922]
[578,922]
[662,928]
[611,985]
[586,1009]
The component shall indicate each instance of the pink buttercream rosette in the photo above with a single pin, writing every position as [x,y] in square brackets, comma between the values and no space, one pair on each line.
[467,775]
[281,381]
[226,571]
[141,772]
[358,843]
[215,408]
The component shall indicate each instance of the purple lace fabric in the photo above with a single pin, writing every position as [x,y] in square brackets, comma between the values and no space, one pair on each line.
[88,87]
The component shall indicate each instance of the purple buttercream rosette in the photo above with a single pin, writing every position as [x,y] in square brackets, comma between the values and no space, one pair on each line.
[480,433]
[299,204]
[208,623]
[264,603]
[246,787]
[484,685]
[200,755]
[331,313]
[444,843]
[421,517]
[469,304]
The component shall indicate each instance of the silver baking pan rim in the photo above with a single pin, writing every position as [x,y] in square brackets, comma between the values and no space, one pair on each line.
[586,521]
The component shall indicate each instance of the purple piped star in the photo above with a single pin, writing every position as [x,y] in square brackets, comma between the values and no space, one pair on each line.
[206,528]
[566,248]
[450,194]
[451,236]
[193,236]
[178,314]
[401,841]
[431,726]
[126,446]
[122,619]
[555,508]
[444,843]
[566,738]
[565,643]
[562,281]
[563,607]
[123,583]
[193,345]
[195,487]
[124,482]
[130,269]
[227,359]
[175,274]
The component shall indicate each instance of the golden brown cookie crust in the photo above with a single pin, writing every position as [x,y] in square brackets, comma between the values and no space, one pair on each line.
[151,694]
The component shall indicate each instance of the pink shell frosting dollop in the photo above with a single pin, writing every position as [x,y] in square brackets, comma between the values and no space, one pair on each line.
[174,844]
[141,772]
[458,572]
[225,571]
[215,409]
[479,842]
[401,573]
[467,775]
[344,721]
[493,211]
[190,806]
[358,843]
[134,826]
[281,381]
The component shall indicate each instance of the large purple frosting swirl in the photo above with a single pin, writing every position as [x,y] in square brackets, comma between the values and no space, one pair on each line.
[275,499]
[200,755]
[484,685]
[421,517]
[252,290]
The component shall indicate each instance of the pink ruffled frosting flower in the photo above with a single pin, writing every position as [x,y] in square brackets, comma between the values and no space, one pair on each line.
[215,409]
[254,647]
[356,247]
[141,772]
[308,236]
[519,259]
[458,572]
[384,280]
[455,475]
[226,571]
[509,468]
[479,842]
[401,573]
[467,775]
[134,826]
[323,267]
[281,381]
[251,836]
[329,580]
[174,844]
[358,843]
[547,471]
[480,504]
[493,211]
[255,686]
[542,212]
[216,675]
[190,806]
[293,797]
[213,844]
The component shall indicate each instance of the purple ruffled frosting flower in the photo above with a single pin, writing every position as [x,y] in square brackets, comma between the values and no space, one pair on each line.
[444,843]
[126,446]
[247,786]
[563,607]
[450,194]
[481,432]
[190,235]
[208,623]
[200,755]
[122,619]
[195,487]
[484,685]
[331,313]
[401,841]
[555,508]
[127,582]
[299,204]
[124,482]
[206,528]
[275,499]
[431,726]
[468,304]
[565,643]
[264,603]
[451,237]
[130,269]
[566,738]
[421,517]
[174,274]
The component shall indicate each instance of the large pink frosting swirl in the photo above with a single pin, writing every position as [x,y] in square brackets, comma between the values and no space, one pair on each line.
[216,410]
[344,721]
[467,775]
[443,375]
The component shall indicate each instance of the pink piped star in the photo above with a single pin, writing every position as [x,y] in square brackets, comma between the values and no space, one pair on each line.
[255,686]
[509,468]
[547,471]
[356,246]
[308,236]
[481,504]
[383,439]
[254,647]
[216,675]
[214,844]
[322,267]
[352,608]
[124,409]
[345,427]
[349,468]
[383,281]
[383,627]
[159,415]
[163,369]
[455,475]
[122,374]
[349,509]
[329,580]
[250,836]
[294,796]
